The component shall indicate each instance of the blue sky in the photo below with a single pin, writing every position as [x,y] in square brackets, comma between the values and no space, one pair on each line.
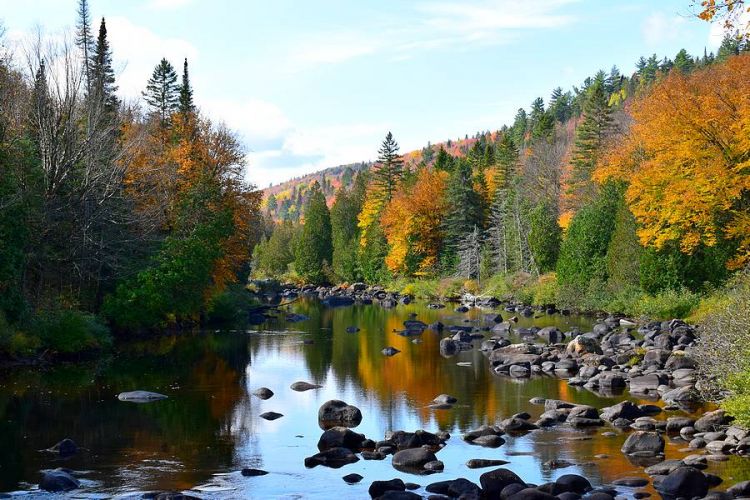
[317,83]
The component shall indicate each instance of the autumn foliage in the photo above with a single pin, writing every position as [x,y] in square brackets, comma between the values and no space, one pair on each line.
[687,160]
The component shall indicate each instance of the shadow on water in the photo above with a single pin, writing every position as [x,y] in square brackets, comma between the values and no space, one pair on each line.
[209,428]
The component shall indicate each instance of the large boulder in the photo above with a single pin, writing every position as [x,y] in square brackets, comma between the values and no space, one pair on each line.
[573,483]
[340,437]
[413,459]
[58,480]
[551,334]
[712,421]
[684,482]
[337,413]
[494,481]
[334,458]
[626,409]
[643,443]
[378,488]
[647,383]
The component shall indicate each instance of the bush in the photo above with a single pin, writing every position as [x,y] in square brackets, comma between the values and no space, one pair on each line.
[723,353]
[667,305]
[68,331]
[497,286]
[230,305]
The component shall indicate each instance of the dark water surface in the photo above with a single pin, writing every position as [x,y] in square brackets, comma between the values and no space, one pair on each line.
[209,429]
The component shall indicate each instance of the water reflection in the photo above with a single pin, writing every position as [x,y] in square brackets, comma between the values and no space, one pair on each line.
[209,427]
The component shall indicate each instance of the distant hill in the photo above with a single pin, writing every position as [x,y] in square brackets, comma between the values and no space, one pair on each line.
[286,200]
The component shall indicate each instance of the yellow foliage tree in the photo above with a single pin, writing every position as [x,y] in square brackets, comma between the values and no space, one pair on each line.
[687,159]
[412,221]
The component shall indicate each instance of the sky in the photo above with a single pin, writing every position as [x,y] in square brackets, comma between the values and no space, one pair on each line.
[311,84]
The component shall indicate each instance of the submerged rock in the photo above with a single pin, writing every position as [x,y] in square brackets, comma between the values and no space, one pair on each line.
[58,480]
[248,472]
[480,463]
[304,386]
[334,458]
[140,396]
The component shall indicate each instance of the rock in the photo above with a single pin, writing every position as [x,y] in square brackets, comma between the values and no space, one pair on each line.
[494,481]
[448,347]
[480,463]
[531,494]
[337,301]
[403,440]
[337,413]
[270,415]
[65,448]
[445,399]
[642,443]
[712,421]
[399,495]
[663,468]
[740,490]
[434,466]
[58,480]
[573,482]
[676,424]
[718,447]
[626,409]
[490,441]
[340,437]
[685,482]
[263,393]
[551,334]
[493,318]
[631,482]
[377,488]
[516,424]
[686,394]
[646,383]
[140,396]
[334,458]
[304,386]
[247,472]
[412,458]
[583,345]
[353,478]
[351,329]
[390,351]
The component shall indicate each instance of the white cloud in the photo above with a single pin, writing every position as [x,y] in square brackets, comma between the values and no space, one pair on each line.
[137,50]
[717,31]
[433,26]
[261,124]
[659,28]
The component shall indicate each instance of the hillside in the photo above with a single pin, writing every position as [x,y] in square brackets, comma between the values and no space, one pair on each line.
[285,200]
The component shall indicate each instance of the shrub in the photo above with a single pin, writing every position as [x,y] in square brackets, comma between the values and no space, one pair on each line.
[497,286]
[545,290]
[68,331]
[723,353]
[229,305]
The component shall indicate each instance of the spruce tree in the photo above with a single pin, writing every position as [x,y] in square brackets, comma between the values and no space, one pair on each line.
[443,161]
[162,92]
[103,86]
[389,169]
[683,62]
[186,91]
[314,250]
[465,204]
[85,39]
[590,137]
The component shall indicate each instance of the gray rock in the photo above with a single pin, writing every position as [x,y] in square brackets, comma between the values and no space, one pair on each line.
[685,482]
[270,415]
[340,437]
[480,463]
[263,393]
[336,412]
[304,386]
[140,396]
[494,481]
[413,458]
[642,443]
[334,458]
[58,480]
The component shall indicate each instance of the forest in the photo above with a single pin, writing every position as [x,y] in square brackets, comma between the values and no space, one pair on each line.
[113,218]
[625,194]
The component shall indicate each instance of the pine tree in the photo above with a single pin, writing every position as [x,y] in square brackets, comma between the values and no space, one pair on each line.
[683,62]
[545,236]
[470,255]
[389,169]
[85,39]
[443,161]
[186,91]
[520,125]
[314,250]
[162,92]
[103,86]
[590,136]
[465,204]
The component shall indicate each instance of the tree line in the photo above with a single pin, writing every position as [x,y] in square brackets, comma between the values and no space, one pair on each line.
[598,186]
[111,215]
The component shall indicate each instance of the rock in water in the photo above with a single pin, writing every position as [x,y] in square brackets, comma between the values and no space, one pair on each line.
[413,458]
[643,443]
[304,386]
[58,480]
[253,472]
[479,463]
[263,393]
[390,351]
[65,448]
[140,396]
[352,478]
[270,415]
[335,412]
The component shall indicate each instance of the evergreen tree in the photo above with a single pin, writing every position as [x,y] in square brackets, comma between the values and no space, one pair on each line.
[560,105]
[389,170]
[102,74]
[465,204]
[345,233]
[683,62]
[314,250]
[272,203]
[162,92]
[590,136]
[85,39]
[730,46]
[545,236]
[186,91]
[518,130]
[443,161]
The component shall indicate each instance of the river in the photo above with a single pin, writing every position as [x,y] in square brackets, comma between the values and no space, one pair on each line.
[209,428]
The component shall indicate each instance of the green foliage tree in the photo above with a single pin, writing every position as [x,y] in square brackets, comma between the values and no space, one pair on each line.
[465,206]
[103,86]
[186,91]
[545,236]
[624,251]
[345,231]
[273,256]
[314,250]
[683,62]
[389,169]
[162,93]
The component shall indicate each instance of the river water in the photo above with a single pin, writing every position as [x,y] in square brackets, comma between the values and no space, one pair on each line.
[209,428]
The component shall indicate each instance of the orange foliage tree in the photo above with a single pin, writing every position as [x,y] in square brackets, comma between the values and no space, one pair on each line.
[687,160]
[412,221]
